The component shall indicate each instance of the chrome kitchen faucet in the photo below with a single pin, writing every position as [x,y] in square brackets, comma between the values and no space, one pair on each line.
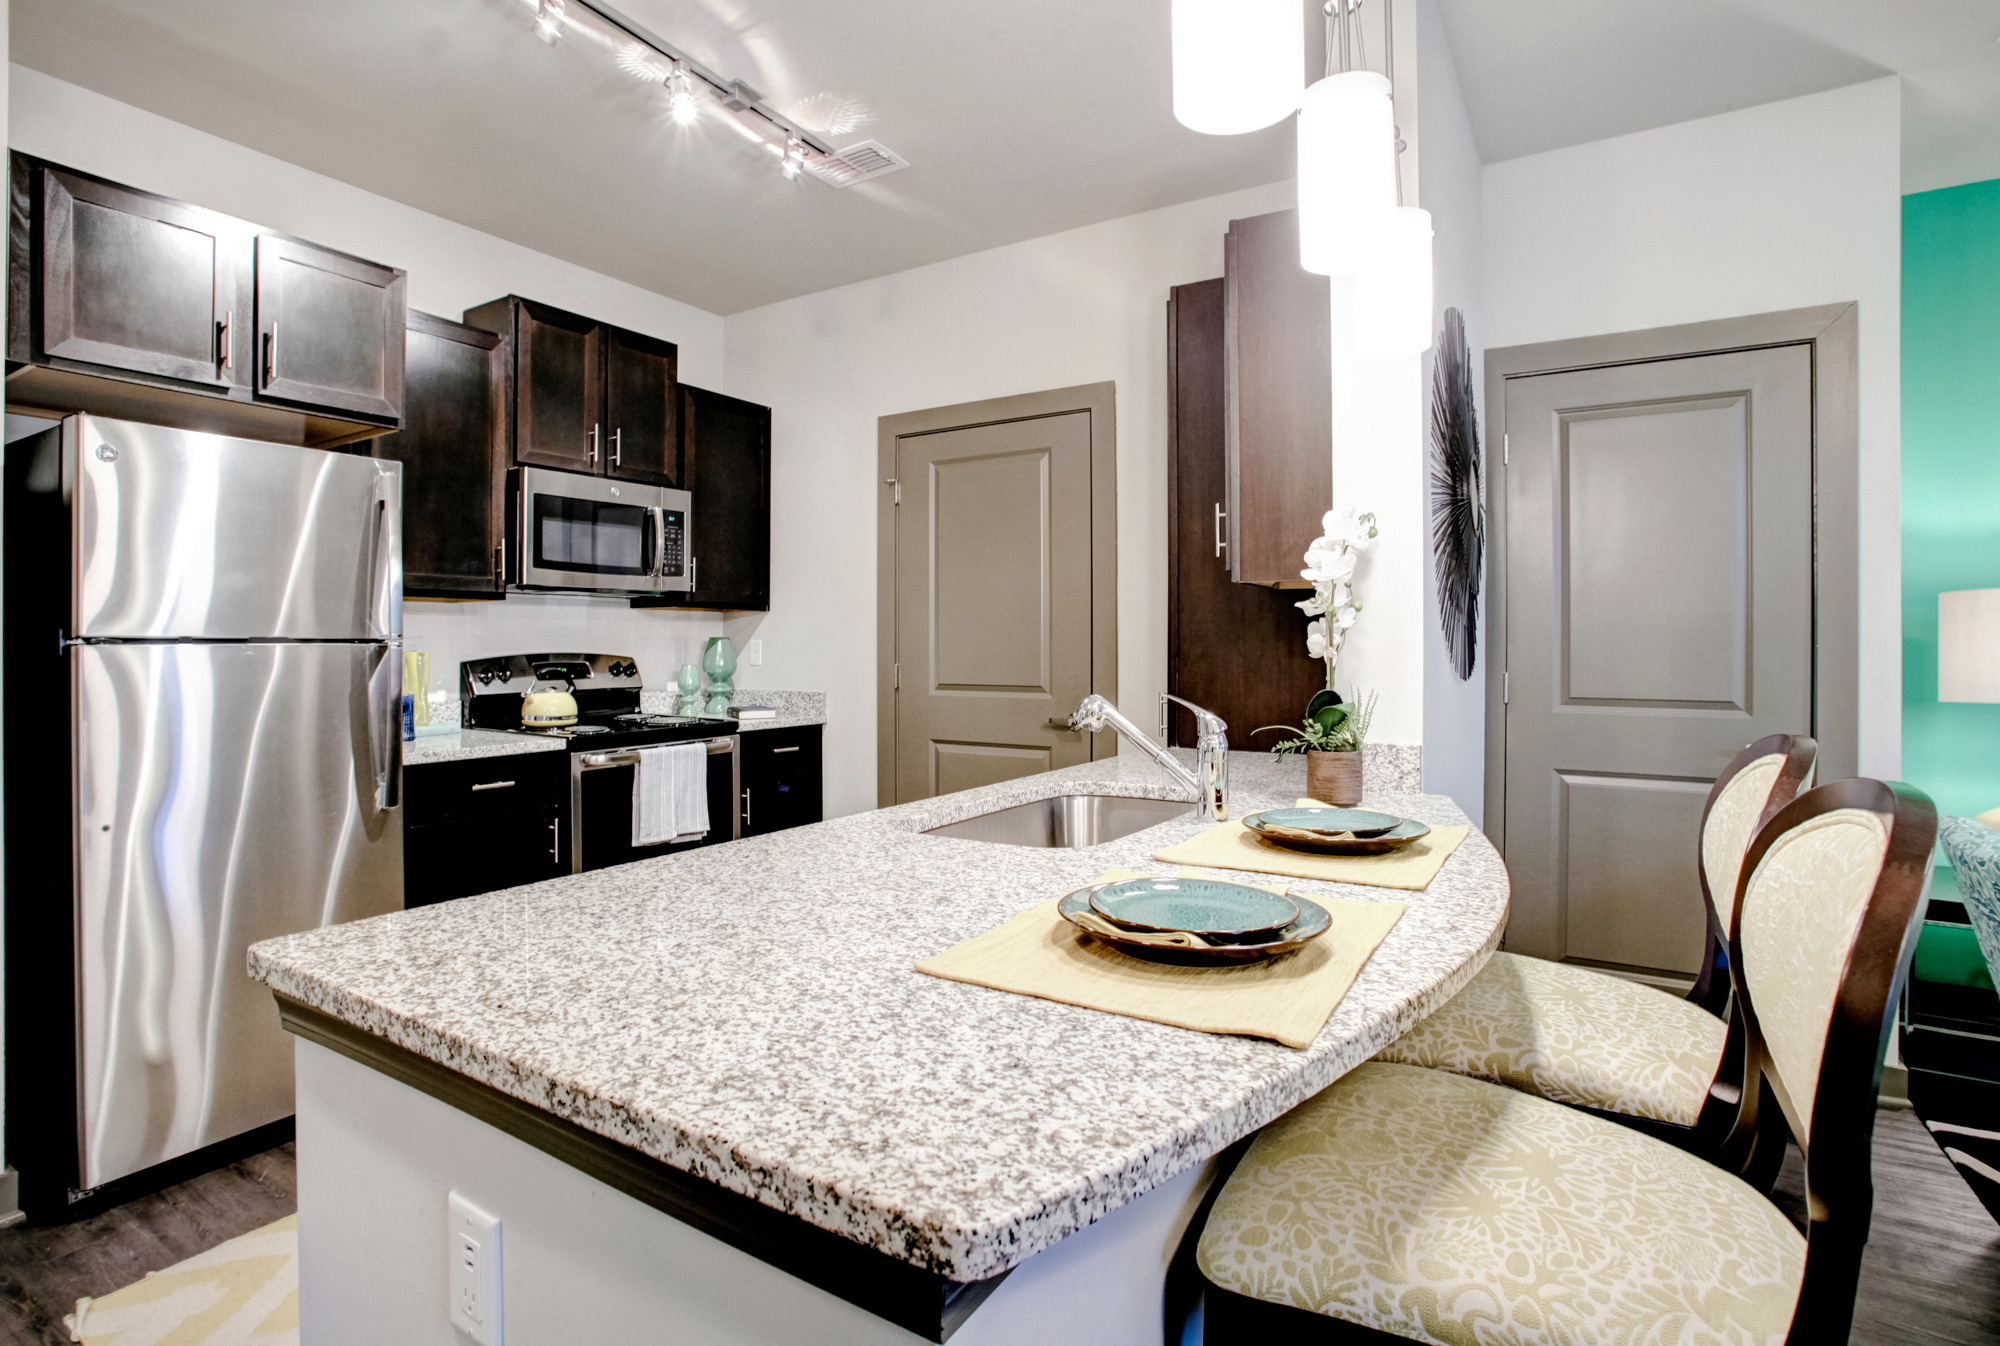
[1210,778]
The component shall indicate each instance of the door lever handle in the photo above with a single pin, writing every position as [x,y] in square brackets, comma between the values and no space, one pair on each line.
[1065,726]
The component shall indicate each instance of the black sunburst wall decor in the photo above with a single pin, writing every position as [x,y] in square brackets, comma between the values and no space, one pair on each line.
[1458,505]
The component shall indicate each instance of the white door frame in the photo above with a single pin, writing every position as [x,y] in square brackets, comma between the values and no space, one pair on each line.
[1831,330]
[1100,400]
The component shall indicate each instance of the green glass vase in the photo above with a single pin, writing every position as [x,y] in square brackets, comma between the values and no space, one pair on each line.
[718,661]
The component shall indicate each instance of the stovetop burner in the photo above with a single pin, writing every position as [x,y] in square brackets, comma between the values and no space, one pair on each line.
[566,731]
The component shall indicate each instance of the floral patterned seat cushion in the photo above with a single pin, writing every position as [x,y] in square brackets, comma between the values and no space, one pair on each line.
[1574,1036]
[1445,1209]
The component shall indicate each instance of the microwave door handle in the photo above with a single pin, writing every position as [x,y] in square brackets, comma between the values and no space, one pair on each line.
[659,541]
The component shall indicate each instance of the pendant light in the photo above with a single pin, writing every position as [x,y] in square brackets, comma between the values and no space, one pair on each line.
[1347,168]
[1238,64]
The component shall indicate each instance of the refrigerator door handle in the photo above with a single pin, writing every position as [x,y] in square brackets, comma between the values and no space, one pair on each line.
[385,588]
[385,726]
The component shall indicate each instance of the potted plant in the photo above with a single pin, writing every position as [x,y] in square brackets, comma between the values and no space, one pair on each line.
[1333,731]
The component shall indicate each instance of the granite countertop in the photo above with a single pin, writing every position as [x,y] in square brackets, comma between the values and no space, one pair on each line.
[958,1128]
[447,741]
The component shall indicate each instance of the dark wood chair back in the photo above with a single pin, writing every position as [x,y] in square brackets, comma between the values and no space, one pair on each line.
[1825,922]
[1761,779]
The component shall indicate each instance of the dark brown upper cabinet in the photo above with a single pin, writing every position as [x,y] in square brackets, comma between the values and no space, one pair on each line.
[1277,400]
[726,461]
[641,407]
[587,396]
[453,448]
[127,304]
[329,328]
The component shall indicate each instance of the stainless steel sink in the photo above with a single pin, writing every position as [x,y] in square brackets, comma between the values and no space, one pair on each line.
[1066,821]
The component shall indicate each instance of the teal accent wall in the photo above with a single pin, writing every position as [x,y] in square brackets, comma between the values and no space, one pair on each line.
[1951,475]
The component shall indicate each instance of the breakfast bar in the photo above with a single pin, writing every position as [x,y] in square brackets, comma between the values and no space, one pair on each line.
[710,1098]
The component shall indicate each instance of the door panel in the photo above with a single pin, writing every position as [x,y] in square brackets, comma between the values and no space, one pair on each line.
[993,602]
[181,535]
[225,794]
[134,282]
[559,384]
[1632,894]
[1659,617]
[641,409]
[330,329]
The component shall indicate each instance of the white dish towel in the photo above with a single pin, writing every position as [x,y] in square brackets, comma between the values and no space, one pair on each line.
[670,794]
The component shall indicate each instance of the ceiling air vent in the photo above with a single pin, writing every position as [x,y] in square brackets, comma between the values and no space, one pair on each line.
[857,163]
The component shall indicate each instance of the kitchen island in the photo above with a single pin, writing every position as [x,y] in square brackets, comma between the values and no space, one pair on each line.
[710,1099]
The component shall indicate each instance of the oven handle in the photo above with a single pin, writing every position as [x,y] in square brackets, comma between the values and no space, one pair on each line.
[594,760]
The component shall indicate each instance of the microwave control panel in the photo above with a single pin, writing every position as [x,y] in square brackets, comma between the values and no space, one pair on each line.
[673,543]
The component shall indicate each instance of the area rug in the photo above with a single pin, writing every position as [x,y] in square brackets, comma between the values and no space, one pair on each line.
[241,1293]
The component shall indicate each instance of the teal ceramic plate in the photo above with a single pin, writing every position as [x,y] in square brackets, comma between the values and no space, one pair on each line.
[1227,913]
[1341,821]
[1312,922]
[1402,834]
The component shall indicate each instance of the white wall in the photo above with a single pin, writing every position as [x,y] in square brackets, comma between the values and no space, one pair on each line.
[1781,206]
[1454,711]
[451,268]
[1078,307]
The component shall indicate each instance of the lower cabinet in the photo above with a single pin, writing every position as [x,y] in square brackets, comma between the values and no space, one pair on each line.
[781,779]
[484,824]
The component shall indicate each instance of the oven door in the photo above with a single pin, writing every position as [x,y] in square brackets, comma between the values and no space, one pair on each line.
[600,815]
[576,532]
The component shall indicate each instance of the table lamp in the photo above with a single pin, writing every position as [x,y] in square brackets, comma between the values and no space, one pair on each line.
[1969,645]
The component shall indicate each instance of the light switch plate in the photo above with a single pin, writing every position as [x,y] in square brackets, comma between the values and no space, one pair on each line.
[473,1247]
[753,653]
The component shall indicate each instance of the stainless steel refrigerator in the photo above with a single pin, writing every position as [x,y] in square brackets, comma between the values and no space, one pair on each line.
[232,649]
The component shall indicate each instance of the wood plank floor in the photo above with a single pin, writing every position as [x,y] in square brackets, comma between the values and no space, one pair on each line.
[44,1270]
[1930,1277]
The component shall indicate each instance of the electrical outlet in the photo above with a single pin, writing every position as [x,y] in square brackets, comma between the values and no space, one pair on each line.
[474,1249]
[680,654]
[753,653]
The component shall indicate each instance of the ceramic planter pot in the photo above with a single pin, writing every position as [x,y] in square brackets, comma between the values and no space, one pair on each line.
[1334,778]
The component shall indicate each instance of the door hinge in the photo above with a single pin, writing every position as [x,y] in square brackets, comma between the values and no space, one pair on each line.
[1503,447]
[1503,688]
[895,490]
[897,672]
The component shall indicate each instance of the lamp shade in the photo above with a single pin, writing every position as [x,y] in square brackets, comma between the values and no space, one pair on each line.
[1969,645]
[1238,64]
[1347,168]
[1392,284]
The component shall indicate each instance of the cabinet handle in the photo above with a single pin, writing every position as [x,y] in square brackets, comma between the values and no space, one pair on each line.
[795,747]
[271,356]
[495,785]
[1219,543]
[692,585]
[500,566]
[618,447]
[593,443]
[746,808]
[555,841]
[225,340]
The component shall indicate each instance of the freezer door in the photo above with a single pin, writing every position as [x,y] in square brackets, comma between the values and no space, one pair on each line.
[224,794]
[180,535]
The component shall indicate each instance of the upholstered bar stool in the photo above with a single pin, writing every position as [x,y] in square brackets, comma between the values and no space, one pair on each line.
[1416,1204]
[1601,1042]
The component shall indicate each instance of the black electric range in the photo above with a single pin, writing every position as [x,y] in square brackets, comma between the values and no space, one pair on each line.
[603,745]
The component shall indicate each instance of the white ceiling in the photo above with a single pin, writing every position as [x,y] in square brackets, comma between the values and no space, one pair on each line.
[1541,74]
[1020,119]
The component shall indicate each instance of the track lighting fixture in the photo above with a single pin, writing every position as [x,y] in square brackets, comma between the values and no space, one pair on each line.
[795,156]
[681,103]
[549,17]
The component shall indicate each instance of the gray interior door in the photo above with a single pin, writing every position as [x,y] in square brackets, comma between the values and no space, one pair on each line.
[993,602]
[225,794]
[1659,617]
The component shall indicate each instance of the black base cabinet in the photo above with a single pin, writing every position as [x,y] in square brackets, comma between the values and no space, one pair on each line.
[485,824]
[782,779]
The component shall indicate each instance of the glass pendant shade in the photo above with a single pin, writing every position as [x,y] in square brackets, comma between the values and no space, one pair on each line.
[1393,285]
[1238,64]
[1347,168]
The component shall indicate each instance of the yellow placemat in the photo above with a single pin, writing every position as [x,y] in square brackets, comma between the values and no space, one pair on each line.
[1231,845]
[1287,999]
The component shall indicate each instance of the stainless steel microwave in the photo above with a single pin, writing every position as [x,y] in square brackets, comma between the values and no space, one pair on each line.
[570,531]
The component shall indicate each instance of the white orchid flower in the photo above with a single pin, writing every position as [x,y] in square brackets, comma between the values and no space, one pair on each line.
[1316,639]
[1316,605]
[1344,617]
